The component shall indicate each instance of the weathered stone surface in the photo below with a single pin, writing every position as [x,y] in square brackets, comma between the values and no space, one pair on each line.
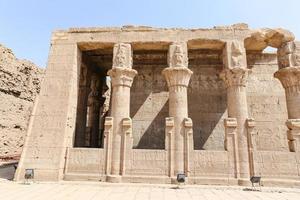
[202,102]
[19,84]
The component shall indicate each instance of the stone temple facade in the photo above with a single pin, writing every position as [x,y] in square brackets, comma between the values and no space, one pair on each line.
[142,104]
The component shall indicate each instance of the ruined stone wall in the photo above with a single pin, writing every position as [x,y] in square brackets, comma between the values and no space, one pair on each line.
[19,84]
[267,103]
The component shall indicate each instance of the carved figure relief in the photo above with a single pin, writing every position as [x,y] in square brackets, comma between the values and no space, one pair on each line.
[237,57]
[122,55]
[178,56]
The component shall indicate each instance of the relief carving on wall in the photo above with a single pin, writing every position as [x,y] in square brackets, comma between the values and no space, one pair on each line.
[237,57]
[94,96]
[122,55]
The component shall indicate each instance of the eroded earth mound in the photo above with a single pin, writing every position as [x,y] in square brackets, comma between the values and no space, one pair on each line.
[19,84]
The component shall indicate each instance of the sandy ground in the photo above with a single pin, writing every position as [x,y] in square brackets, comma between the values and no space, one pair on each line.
[94,190]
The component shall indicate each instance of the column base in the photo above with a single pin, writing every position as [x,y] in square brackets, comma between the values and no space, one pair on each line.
[114,178]
[244,182]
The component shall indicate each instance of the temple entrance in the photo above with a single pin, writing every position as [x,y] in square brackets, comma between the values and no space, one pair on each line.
[93,98]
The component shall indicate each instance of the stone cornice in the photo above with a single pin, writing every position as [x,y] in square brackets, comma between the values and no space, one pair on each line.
[122,76]
[177,76]
[235,76]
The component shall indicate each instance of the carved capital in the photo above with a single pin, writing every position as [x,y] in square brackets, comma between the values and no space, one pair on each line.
[122,56]
[230,123]
[235,77]
[293,134]
[169,121]
[188,123]
[177,56]
[127,125]
[288,55]
[293,124]
[234,54]
[177,76]
[250,123]
[121,76]
[289,78]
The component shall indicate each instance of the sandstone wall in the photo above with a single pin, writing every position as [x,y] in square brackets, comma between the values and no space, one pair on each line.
[19,84]
[267,103]
[207,102]
[149,107]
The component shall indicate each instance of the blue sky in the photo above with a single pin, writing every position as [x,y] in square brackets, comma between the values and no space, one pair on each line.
[26,25]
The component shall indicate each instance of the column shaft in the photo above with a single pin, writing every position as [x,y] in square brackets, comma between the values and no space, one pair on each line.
[178,109]
[120,110]
[237,108]
[293,104]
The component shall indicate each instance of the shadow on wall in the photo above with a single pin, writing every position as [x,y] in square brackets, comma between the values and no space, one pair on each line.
[7,171]
[149,108]
[207,106]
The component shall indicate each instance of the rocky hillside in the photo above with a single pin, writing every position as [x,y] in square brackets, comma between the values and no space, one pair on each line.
[19,84]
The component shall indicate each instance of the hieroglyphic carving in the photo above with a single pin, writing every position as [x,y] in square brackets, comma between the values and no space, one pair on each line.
[178,55]
[122,55]
[288,55]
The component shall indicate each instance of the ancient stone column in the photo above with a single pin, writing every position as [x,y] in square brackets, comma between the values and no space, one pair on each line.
[178,76]
[122,76]
[289,75]
[235,76]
